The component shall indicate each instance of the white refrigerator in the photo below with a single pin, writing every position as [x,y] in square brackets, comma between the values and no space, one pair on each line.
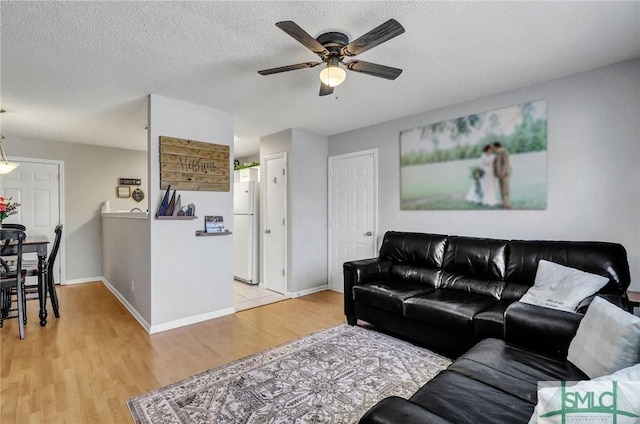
[246,209]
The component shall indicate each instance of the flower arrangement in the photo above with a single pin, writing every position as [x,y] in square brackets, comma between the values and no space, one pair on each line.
[7,208]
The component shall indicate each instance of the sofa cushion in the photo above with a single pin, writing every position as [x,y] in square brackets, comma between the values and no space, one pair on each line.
[389,294]
[513,369]
[430,277]
[560,287]
[606,259]
[464,283]
[463,400]
[608,339]
[492,383]
[425,250]
[490,322]
[476,257]
[447,308]
[475,265]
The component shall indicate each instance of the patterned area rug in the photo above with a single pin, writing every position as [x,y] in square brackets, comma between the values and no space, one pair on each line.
[333,376]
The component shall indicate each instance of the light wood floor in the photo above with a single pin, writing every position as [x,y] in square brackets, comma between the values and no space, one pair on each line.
[82,367]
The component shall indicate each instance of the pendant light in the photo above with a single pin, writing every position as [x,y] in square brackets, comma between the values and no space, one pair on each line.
[5,165]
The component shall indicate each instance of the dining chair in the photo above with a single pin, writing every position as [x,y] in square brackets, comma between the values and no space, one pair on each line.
[20,227]
[10,280]
[31,269]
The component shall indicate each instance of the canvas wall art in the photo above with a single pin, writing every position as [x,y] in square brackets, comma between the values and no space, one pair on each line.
[485,161]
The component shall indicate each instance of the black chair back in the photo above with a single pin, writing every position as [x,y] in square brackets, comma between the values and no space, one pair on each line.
[54,250]
[8,279]
[5,244]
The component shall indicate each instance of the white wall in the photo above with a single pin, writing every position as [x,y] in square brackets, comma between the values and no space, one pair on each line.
[593,164]
[127,264]
[306,206]
[91,177]
[191,277]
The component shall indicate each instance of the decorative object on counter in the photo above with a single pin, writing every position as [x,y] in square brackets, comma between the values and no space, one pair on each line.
[124,192]
[137,195]
[172,205]
[194,165]
[177,207]
[106,206]
[214,224]
[164,204]
[130,181]
[7,208]
[237,166]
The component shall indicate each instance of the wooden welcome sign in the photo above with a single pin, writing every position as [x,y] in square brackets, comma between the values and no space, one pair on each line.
[193,165]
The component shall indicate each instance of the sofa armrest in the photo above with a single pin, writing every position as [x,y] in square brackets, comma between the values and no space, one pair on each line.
[620,300]
[359,273]
[395,410]
[544,330]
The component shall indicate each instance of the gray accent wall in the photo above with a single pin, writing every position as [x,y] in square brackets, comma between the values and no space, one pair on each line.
[90,177]
[593,164]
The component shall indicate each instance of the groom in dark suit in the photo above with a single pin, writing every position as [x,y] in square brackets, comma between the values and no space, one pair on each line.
[502,171]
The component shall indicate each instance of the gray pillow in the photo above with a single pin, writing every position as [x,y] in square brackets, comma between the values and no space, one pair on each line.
[560,287]
[607,340]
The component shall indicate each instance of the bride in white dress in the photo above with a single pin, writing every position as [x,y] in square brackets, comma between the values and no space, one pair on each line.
[488,183]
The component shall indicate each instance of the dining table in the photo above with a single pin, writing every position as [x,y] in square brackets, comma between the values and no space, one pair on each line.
[39,246]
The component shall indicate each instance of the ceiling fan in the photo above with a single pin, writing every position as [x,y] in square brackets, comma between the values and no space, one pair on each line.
[333,47]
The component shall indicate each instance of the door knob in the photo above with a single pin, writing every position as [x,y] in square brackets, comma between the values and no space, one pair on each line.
[267,231]
[368,233]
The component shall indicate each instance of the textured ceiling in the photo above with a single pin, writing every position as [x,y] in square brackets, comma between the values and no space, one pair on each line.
[80,71]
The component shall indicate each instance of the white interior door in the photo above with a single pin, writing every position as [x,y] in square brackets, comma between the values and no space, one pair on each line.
[353,212]
[36,185]
[274,223]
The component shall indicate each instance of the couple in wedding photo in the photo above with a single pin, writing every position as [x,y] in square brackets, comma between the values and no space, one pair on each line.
[492,177]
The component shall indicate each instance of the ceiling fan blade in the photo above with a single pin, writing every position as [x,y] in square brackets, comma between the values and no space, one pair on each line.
[288,68]
[303,37]
[325,90]
[373,69]
[376,36]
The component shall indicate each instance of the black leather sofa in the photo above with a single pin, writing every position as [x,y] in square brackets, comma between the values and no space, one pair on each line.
[450,292]
[493,383]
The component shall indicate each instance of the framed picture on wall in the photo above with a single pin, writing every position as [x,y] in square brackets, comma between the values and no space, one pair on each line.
[124,191]
[484,161]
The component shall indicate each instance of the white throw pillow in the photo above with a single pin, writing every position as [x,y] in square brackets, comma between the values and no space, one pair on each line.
[560,287]
[607,340]
[626,374]
[631,373]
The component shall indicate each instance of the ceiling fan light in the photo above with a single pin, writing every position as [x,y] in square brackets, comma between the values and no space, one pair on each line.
[332,76]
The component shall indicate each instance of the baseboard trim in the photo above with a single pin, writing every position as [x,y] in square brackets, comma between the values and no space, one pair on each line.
[308,291]
[191,320]
[128,306]
[170,325]
[82,281]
